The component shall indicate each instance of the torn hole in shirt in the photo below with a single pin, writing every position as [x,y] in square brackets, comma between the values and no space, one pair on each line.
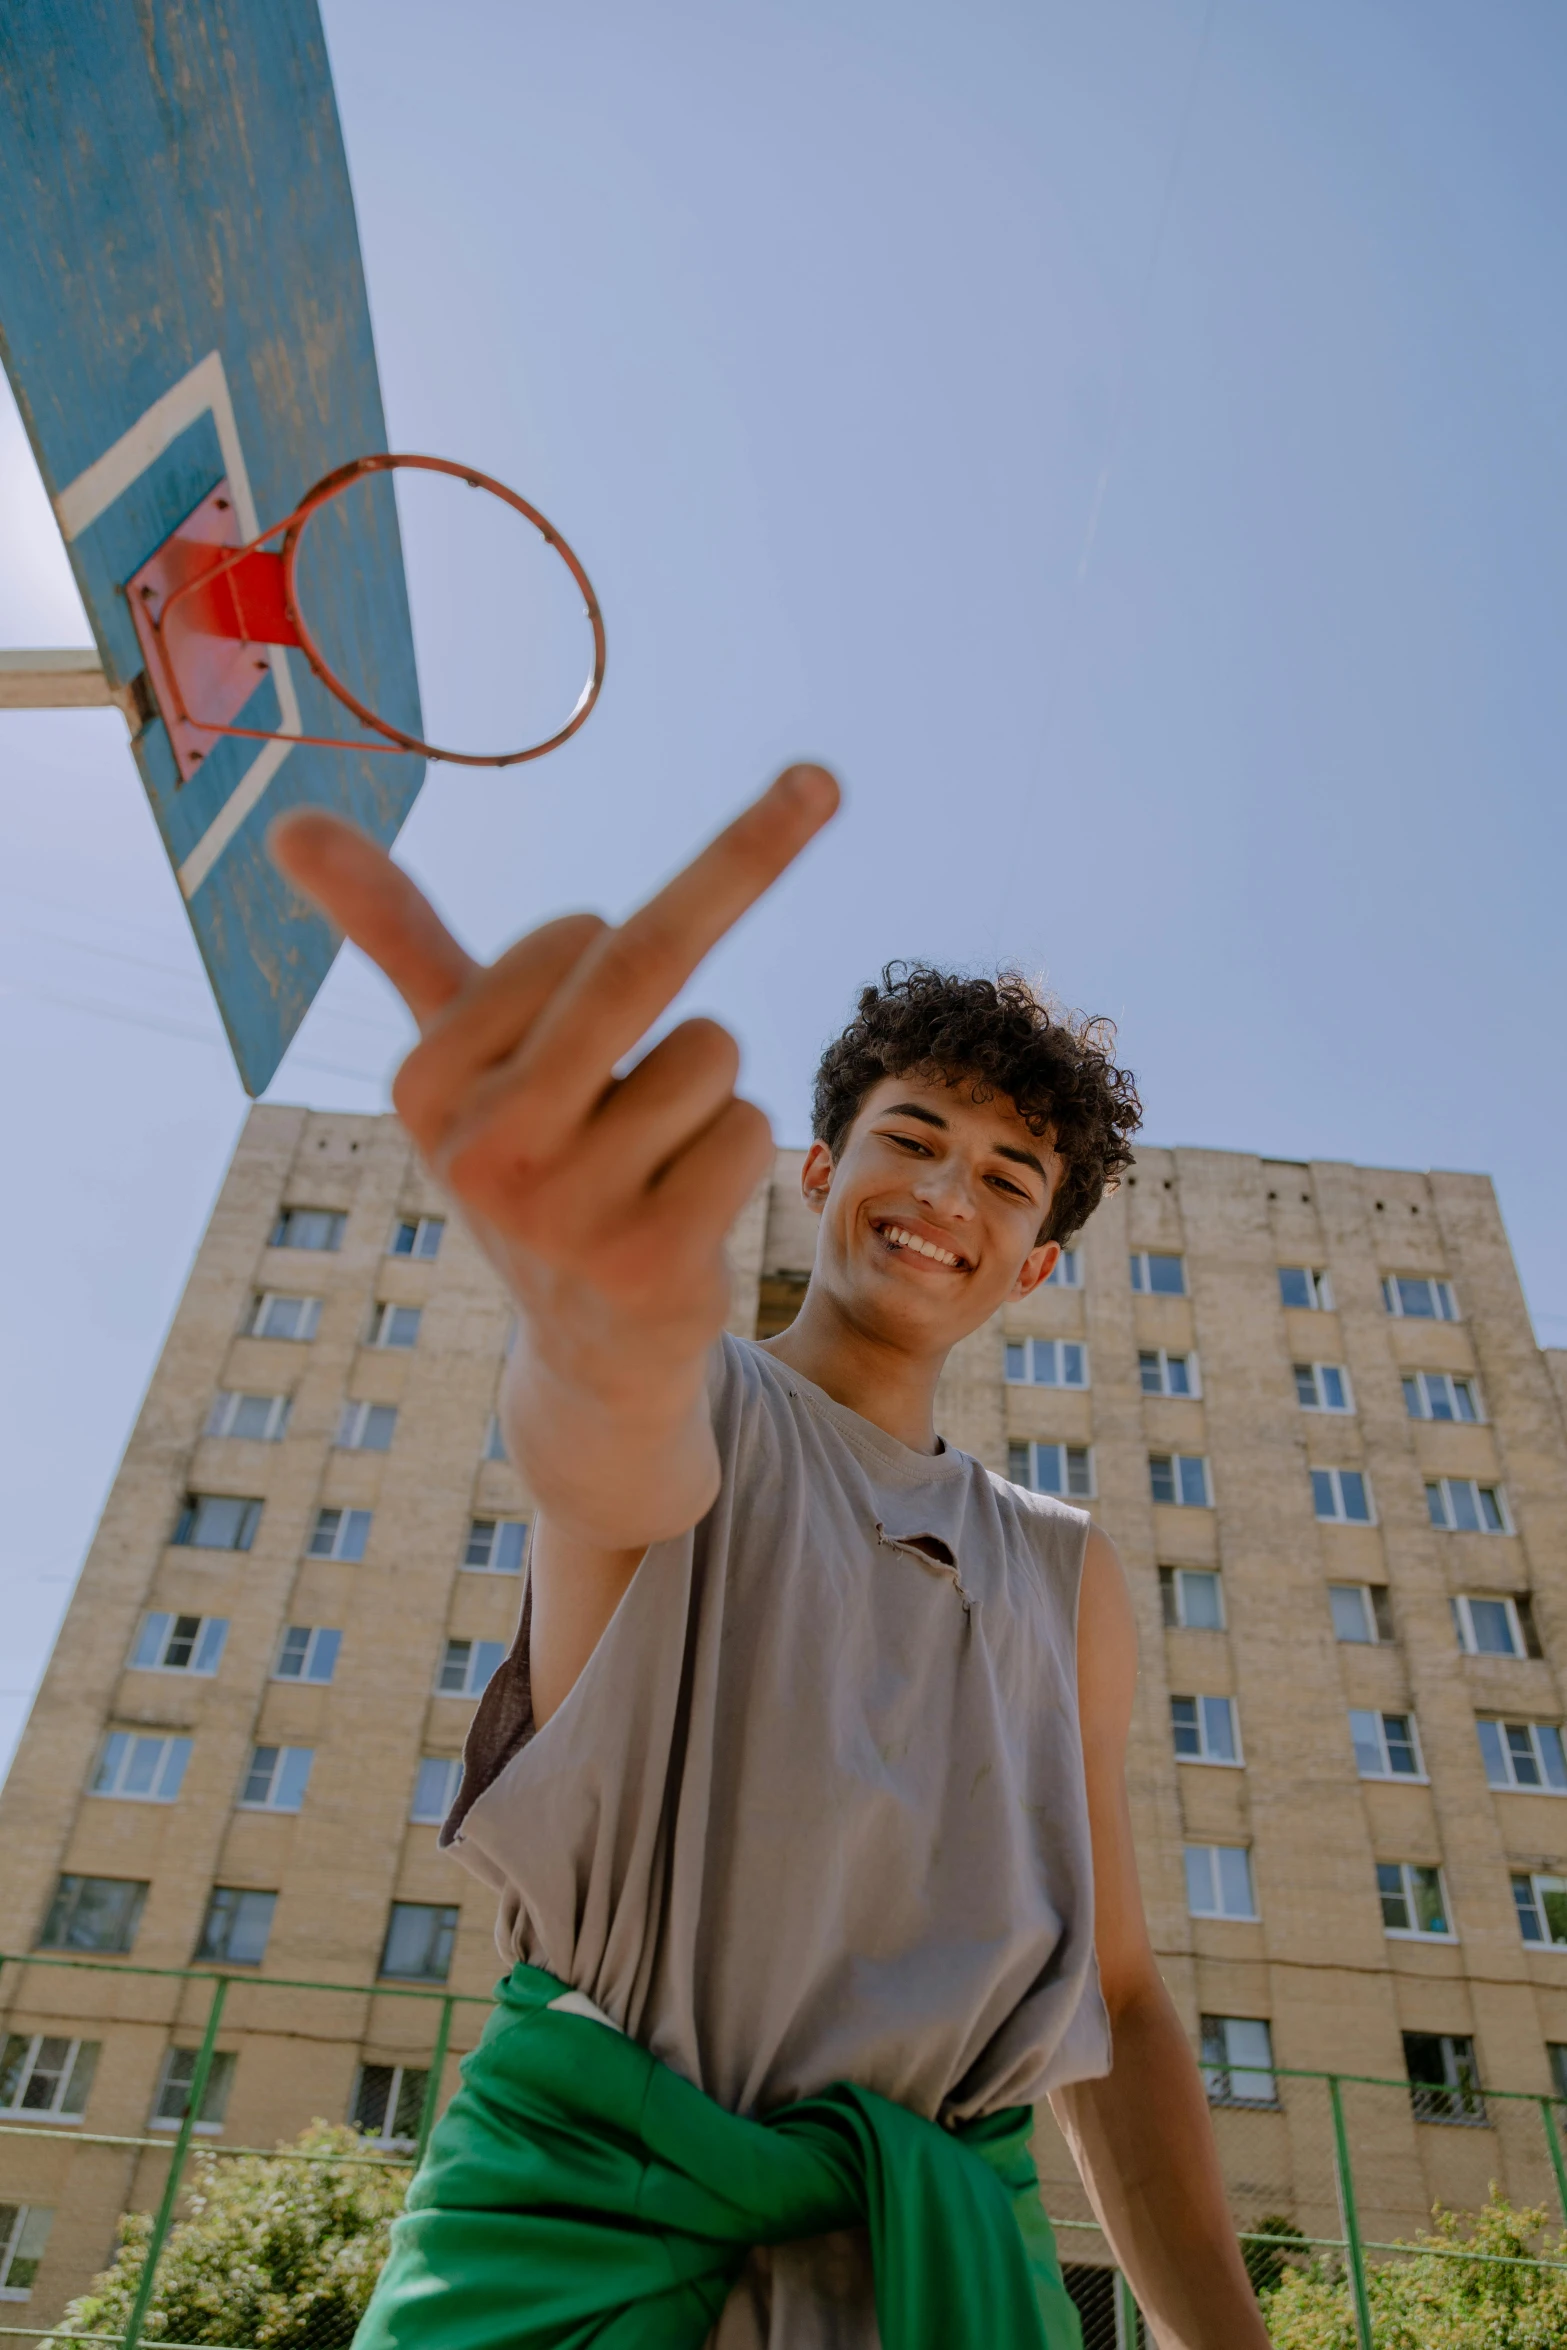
[932,1553]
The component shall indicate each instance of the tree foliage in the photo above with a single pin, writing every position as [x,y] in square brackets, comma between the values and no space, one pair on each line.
[1430,2301]
[278,2253]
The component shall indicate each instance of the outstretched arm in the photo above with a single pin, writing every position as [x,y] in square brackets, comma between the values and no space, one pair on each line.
[1141,2136]
[602,1201]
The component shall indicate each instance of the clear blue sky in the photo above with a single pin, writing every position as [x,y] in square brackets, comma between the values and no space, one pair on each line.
[1155,509]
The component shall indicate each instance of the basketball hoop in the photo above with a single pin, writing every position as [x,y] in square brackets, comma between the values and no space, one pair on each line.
[206,608]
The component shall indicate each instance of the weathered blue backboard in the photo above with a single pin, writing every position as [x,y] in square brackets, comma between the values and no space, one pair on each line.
[182,300]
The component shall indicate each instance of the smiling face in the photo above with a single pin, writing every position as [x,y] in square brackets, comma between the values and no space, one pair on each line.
[931,1213]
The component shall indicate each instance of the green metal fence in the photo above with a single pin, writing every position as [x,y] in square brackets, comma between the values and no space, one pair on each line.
[1331,2175]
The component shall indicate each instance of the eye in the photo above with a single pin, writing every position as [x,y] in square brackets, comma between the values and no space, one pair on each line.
[908,1142]
[1016,1189]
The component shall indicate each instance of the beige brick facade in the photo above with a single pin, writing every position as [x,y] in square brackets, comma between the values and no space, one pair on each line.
[1316,1963]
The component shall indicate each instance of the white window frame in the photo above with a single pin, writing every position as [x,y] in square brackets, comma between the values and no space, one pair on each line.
[1163,1357]
[1463,1624]
[1319,1286]
[1441,1291]
[317,1657]
[336,1220]
[1141,1283]
[1052,1353]
[279,1782]
[383,1321]
[496,1529]
[1422,1381]
[1083,1453]
[80,2056]
[388,2135]
[25,2240]
[226,1406]
[226,1956]
[342,1533]
[265,1299]
[1442,1488]
[421,1228]
[1202,1723]
[1406,1869]
[219,2089]
[1248,1917]
[1339,1516]
[451,1777]
[1375,1722]
[1502,1750]
[1178,1462]
[354,1422]
[1067,1271]
[1540,1883]
[157,1634]
[1369,1614]
[471,1686]
[118,1756]
[1172,1594]
[1314,1371]
[1221,2071]
[250,1507]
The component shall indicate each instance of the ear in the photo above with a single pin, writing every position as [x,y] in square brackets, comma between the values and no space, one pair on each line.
[1038,1266]
[816,1177]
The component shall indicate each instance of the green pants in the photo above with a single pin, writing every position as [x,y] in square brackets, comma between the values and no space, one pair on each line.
[578,2192]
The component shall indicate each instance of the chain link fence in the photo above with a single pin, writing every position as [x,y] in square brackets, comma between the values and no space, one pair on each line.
[174,2233]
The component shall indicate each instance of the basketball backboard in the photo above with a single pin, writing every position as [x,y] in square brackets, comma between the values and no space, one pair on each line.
[184,323]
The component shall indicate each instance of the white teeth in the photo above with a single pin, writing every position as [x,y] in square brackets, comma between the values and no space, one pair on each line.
[925,1248]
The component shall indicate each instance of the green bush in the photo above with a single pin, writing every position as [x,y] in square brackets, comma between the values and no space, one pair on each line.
[1427,2301]
[276,2254]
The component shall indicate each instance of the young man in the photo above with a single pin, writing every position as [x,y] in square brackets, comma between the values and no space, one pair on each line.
[802,1790]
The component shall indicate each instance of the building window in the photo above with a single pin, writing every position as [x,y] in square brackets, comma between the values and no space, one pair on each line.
[1488,1626]
[419,1939]
[435,1789]
[217,1521]
[139,1769]
[1066,1272]
[1300,1286]
[1323,1387]
[1362,1613]
[94,1913]
[308,1653]
[1524,1754]
[1542,1909]
[394,1325]
[417,1237]
[24,2231]
[1237,2061]
[496,1545]
[494,1441]
[367,1427]
[388,2103]
[174,2085]
[1192,1599]
[1180,1478]
[317,1228]
[1387,1746]
[1437,1395]
[275,1316]
[277,1778]
[1556,2053]
[1205,1729]
[1419,1299]
[1341,1497]
[260,1418]
[1218,1881]
[1414,1902]
[1459,1506]
[468,1666]
[236,1926]
[1066,1469]
[1156,1276]
[46,2076]
[1444,2082]
[339,1534]
[1046,1362]
[180,1644]
[1167,1374]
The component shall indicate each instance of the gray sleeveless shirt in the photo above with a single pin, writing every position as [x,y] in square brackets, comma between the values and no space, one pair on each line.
[814,1810]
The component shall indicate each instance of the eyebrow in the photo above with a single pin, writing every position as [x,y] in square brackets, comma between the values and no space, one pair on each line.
[1003,1150]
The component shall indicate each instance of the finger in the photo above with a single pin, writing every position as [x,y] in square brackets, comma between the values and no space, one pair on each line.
[442,1077]
[701,1192]
[373,901]
[623,983]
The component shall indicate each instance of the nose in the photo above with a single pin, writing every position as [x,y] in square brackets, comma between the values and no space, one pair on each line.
[944,1186]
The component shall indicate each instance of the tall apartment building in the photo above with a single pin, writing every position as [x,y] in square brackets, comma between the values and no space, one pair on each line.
[1305,1401]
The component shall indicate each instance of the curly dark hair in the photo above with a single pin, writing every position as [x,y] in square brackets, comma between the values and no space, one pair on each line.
[1003,1038]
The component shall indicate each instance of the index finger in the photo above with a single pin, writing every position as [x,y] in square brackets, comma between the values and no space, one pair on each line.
[372,901]
[633,973]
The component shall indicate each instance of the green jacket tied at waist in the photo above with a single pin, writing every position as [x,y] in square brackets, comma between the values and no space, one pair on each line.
[578,2192]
